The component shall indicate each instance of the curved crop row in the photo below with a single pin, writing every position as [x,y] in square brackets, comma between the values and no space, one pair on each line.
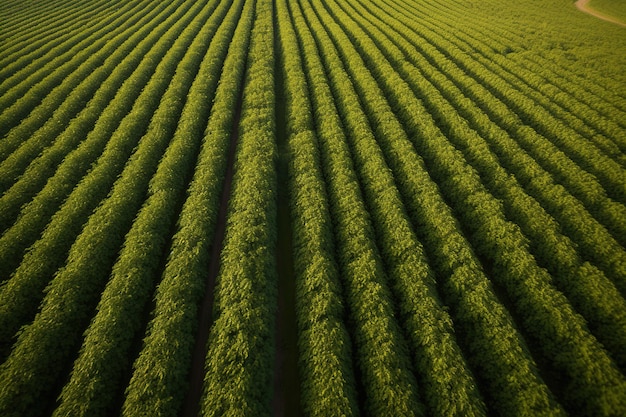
[562,139]
[26,170]
[47,345]
[22,232]
[498,37]
[383,361]
[373,207]
[104,356]
[18,17]
[599,245]
[33,62]
[543,311]
[439,362]
[33,101]
[532,81]
[591,292]
[534,395]
[25,14]
[22,293]
[38,39]
[579,183]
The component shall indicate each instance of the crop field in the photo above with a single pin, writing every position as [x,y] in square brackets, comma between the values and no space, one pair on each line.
[312,208]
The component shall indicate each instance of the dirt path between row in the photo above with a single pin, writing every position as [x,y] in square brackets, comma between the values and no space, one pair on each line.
[192,404]
[286,401]
[583,6]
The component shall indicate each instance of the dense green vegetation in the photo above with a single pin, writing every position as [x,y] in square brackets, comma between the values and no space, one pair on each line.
[452,173]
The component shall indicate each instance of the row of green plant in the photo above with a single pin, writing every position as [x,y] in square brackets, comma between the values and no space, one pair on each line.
[106,353]
[27,169]
[411,176]
[438,360]
[28,15]
[562,137]
[160,376]
[577,81]
[328,382]
[457,210]
[40,89]
[22,15]
[31,35]
[383,363]
[53,220]
[47,346]
[591,293]
[544,313]
[578,182]
[564,99]
[240,355]
[597,244]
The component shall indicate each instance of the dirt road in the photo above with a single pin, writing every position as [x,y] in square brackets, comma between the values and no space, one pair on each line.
[583,6]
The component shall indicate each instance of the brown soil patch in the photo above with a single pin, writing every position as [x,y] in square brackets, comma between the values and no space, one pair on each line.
[583,6]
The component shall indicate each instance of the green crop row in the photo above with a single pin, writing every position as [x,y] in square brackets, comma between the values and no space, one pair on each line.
[27,169]
[369,92]
[24,25]
[567,105]
[490,40]
[598,244]
[108,114]
[40,93]
[439,362]
[47,345]
[26,31]
[563,140]
[582,185]
[22,293]
[160,372]
[544,313]
[26,54]
[327,376]
[451,174]
[383,363]
[591,293]
[105,354]
[240,348]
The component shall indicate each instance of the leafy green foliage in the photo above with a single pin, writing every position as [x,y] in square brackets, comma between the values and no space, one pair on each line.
[454,172]
[159,379]
[238,379]
[49,342]
[104,357]
[62,207]
[328,383]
